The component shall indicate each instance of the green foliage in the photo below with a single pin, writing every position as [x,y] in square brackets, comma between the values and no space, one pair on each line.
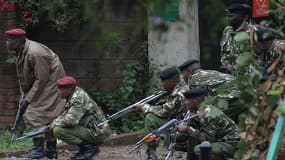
[5,141]
[135,86]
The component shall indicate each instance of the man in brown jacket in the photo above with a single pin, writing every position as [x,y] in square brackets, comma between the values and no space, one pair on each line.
[38,67]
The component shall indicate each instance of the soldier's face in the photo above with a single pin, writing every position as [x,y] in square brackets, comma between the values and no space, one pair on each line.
[64,93]
[234,19]
[168,85]
[186,74]
[192,104]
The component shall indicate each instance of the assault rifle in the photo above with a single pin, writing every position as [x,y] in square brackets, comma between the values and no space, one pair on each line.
[131,108]
[21,110]
[155,135]
[33,133]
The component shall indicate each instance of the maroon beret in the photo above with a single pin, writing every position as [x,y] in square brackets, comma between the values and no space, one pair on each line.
[17,32]
[66,81]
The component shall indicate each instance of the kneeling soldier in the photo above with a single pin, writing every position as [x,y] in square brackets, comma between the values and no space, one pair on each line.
[220,130]
[77,125]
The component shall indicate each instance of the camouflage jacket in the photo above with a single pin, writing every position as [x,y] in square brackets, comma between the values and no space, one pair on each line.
[81,110]
[211,80]
[214,129]
[173,108]
[277,50]
[229,48]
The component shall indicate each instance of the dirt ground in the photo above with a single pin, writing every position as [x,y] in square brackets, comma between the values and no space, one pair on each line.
[112,153]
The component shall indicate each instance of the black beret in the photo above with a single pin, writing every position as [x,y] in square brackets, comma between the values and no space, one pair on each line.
[195,92]
[169,73]
[187,64]
[239,8]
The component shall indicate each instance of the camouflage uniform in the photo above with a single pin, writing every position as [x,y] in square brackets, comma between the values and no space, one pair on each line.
[211,80]
[79,120]
[229,48]
[221,131]
[276,51]
[157,115]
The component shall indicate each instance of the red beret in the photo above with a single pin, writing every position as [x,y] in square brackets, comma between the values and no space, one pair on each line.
[17,32]
[66,81]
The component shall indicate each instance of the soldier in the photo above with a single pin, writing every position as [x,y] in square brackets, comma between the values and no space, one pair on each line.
[157,115]
[270,57]
[77,125]
[220,130]
[38,67]
[237,15]
[211,80]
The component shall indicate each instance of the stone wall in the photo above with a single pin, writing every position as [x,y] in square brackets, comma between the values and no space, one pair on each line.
[92,60]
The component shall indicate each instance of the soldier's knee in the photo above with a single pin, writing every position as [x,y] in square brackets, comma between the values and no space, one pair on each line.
[58,131]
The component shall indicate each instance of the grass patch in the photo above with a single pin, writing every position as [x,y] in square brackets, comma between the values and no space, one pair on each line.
[7,145]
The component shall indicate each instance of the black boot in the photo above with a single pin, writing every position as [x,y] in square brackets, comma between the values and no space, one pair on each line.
[51,150]
[86,151]
[37,151]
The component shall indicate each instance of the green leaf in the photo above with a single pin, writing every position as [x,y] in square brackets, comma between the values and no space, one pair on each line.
[223,104]
[280,110]
[271,100]
[215,112]
[254,111]
[241,37]
[276,92]
[244,59]
[11,60]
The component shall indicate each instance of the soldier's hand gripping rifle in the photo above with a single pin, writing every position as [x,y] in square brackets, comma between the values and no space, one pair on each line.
[131,108]
[21,110]
[155,135]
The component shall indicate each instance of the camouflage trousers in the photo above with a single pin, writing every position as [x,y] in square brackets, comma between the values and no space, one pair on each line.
[75,135]
[153,122]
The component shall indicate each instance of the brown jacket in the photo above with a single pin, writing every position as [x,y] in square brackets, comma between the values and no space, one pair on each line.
[38,69]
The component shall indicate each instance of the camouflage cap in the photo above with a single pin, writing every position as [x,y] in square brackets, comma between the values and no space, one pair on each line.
[188,63]
[169,73]
[195,92]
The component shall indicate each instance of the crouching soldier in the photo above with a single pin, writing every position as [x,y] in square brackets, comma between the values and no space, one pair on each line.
[77,125]
[219,129]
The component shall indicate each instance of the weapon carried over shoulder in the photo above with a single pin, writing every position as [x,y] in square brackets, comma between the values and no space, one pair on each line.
[33,133]
[21,110]
[131,107]
[155,135]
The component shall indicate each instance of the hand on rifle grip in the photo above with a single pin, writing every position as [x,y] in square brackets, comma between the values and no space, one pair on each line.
[138,107]
[160,102]
[182,127]
[24,104]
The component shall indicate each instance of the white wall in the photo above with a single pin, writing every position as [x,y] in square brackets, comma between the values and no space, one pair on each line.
[180,42]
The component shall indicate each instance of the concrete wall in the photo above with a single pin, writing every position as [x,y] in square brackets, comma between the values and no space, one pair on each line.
[180,42]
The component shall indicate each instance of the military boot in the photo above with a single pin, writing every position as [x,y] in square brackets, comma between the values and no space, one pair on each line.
[86,151]
[51,150]
[151,155]
[37,151]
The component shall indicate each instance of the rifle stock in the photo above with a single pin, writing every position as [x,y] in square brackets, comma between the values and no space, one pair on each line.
[131,108]
[158,132]
[21,110]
